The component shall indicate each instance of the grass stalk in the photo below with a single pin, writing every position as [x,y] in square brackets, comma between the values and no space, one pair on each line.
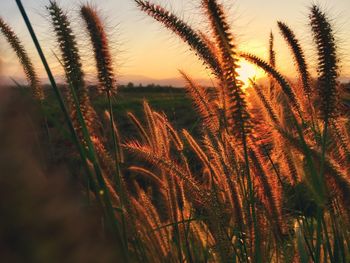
[68,120]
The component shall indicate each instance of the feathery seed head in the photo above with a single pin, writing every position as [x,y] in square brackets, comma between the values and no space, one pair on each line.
[72,65]
[68,47]
[299,57]
[327,62]
[203,104]
[184,31]
[272,53]
[238,116]
[99,40]
[24,59]
[266,103]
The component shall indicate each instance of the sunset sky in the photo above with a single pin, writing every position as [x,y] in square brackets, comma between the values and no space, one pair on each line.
[145,51]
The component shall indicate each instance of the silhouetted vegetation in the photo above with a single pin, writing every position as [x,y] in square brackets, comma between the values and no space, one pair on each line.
[194,174]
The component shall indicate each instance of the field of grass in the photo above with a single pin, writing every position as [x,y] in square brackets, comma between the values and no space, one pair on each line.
[225,174]
[175,103]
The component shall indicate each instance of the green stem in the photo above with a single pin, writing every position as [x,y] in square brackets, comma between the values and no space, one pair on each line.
[318,236]
[309,247]
[251,207]
[118,177]
[328,244]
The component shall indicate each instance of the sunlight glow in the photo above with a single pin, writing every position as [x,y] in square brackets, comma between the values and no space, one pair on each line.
[248,71]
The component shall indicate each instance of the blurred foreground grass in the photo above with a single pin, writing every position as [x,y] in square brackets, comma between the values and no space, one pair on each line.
[43,217]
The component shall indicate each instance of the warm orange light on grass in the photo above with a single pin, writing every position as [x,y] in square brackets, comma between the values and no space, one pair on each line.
[248,71]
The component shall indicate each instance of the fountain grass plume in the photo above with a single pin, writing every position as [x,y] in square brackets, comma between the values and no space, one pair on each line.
[146,153]
[272,60]
[265,102]
[299,56]
[99,41]
[272,53]
[104,65]
[184,31]
[71,62]
[24,59]
[327,62]
[203,104]
[238,116]
[68,46]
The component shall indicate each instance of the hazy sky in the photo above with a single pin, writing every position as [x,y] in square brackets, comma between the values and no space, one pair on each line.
[144,49]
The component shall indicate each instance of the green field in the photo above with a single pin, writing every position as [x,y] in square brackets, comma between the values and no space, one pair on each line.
[174,102]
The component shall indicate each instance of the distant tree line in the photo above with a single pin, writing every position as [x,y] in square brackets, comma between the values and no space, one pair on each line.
[149,87]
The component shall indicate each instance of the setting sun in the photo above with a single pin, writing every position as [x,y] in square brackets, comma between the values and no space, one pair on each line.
[248,71]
